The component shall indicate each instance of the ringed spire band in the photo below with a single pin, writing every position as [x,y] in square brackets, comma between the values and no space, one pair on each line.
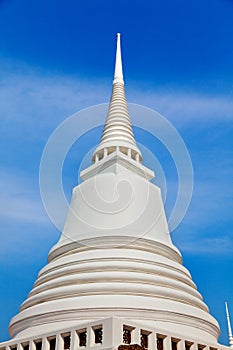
[118,133]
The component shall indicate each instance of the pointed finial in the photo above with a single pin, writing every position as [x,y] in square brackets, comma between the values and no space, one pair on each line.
[118,75]
[117,135]
[229,327]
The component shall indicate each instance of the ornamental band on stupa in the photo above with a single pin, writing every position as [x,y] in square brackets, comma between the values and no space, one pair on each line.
[115,278]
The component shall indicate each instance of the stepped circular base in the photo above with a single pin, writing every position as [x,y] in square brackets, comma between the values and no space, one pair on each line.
[84,284]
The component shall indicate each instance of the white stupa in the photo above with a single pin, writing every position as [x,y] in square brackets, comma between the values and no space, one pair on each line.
[115,276]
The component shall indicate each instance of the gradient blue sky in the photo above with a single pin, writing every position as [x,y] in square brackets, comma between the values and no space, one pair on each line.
[56,58]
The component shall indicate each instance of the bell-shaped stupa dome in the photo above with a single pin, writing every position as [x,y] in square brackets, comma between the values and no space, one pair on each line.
[115,256]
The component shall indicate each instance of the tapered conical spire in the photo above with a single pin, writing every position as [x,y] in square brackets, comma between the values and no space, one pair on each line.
[229,327]
[118,74]
[118,133]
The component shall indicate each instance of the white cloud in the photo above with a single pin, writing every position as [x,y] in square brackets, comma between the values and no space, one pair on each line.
[33,104]
[34,97]
[211,245]
[184,107]
[20,200]
[207,227]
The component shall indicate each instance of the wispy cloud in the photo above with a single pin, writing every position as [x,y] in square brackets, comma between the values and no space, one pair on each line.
[207,226]
[19,199]
[32,99]
[34,103]
[212,245]
[184,107]
[31,96]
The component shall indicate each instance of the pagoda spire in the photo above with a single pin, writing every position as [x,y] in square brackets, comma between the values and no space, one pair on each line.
[118,133]
[118,74]
[229,327]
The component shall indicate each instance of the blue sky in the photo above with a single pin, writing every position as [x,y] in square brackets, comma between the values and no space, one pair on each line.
[56,58]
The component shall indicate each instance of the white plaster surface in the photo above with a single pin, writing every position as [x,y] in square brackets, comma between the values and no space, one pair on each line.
[115,256]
